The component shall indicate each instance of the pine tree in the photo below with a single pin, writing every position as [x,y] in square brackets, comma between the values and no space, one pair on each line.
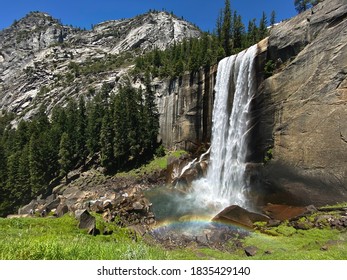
[252,32]
[59,120]
[219,25]
[11,188]
[273,18]
[263,32]
[65,155]
[106,142]
[239,31]
[37,164]
[135,121]
[301,5]
[3,169]
[304,5]
[128,125]
[95,115]
[40,123]
[227,28]
[23,176]
[151,116]
[121,127]
[71,127]
[157,59]
[3,179]
[81,132]
[22,135]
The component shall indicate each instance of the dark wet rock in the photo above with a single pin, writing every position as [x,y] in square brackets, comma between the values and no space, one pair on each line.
[251,251]
[203,234]
[273,223]
[344,221]
[190,175]
[236,215]
[53,204]
[203,167]
[86,221]
[303,225]
[323,221]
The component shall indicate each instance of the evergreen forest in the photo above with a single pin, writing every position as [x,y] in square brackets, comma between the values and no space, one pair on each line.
[114,131]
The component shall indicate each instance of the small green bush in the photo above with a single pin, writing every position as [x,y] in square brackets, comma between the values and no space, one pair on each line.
[269,68]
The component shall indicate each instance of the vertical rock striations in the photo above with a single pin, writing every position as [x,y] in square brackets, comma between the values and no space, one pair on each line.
[304,106]
[185,107]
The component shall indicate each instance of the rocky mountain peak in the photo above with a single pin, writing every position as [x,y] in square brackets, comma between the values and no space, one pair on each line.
[37,53]
[35,20]
[142,33]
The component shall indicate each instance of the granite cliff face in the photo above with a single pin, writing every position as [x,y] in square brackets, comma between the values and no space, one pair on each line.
[303,107]
[299,114]
[43,62]
[185,107]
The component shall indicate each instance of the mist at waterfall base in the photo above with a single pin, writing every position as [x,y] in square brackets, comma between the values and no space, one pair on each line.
[225,183]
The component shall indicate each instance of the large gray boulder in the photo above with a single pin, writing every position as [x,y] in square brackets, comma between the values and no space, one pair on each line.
[86,221]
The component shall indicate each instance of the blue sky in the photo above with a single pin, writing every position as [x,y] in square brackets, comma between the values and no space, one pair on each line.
[84,13]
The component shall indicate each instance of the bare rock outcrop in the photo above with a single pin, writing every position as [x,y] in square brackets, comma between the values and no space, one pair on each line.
[39,56]
[304,108]
[185,105]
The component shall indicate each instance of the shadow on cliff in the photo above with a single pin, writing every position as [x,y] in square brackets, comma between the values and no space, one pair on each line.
[279,183]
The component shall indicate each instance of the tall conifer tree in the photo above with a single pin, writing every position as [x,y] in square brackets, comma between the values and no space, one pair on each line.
[65,155]
[106,142]
[151,116]
[227,28]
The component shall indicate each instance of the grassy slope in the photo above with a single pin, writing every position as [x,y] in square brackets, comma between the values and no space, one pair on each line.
[157,164]
[59,238]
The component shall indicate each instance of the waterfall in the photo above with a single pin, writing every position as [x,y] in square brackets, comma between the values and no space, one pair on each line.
[225,183]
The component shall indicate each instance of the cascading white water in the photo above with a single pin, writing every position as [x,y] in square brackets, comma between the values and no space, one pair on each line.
[225,183]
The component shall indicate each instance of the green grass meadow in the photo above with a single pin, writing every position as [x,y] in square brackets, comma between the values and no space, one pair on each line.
[60,239]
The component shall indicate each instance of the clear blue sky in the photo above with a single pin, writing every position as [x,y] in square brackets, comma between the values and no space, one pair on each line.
[84,13]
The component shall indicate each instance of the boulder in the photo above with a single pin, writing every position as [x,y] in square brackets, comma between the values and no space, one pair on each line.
[107,204]
[138,229]
[287,212]
[251,251]
[86,221]
[174,168]
[28,209]
[237,215]
[137,206]
[53,204]
[97,206]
